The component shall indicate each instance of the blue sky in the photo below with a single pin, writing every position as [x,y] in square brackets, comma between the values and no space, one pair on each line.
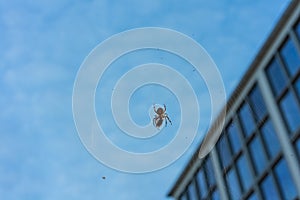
[43,44]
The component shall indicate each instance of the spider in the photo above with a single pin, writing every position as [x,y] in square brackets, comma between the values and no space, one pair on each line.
[160,117]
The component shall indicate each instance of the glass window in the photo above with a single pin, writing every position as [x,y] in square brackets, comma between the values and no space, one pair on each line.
[252,197]
[298,147]
[234,137]
[258,155]
[246,119]
[193,194]
[210,172]
[215,195]
[224,152]
[257,103]
[202,183]
[244,171]
[297,29]
[276,77]
[233,185]
[285,180]
[297,87]
[270,139]
[291,112]
[290,57]
[268,189]
[184,196]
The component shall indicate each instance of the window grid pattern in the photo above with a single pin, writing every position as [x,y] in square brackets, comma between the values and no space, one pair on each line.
[288,99]
[286,74]
[296,86]
[251,130]
[193,191]
[278,183]
[243,166]
[258,160]
[203,185]
[208,188]
[260,142]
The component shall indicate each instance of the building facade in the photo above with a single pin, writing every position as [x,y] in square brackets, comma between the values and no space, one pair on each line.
[258,153]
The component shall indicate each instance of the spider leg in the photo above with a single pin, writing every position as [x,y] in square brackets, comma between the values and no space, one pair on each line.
[154,108]
[165,118]
[153,121]
[165,108]
[168,119]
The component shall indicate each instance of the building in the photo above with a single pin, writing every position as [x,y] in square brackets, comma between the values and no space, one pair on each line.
[258,153]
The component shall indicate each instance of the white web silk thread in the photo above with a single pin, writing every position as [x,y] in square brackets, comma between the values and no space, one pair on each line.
[98,61]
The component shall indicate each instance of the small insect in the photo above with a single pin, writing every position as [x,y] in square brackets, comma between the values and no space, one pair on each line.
[160,117]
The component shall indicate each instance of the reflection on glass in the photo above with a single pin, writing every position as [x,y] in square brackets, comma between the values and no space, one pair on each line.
[257,103]
[270,138]
[202,183]
[290,57]
[216,195]
[244,172]
[276,76]
[285,180]
[268,189]
[234,137]
[246,119]
[233,185]
[192,190]
[258,155]
[224,152]
[210,172]
[291,112]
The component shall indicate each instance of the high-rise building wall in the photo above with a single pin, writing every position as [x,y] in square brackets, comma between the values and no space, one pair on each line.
[258,154]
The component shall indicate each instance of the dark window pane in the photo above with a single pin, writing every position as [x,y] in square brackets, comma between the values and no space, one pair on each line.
[276,76]
[244,171]
[215,195]
[268,189]
[235,141]
[202,183]
[297,87]
[257,103]
[298,147]
[291,112]
[210,172]
[233,185]
[285,180]
[290,57]
[258,155]
[224,152]
[184,196]
[246,119]
[193,190]
[253,197]
[297,29]
[270,137]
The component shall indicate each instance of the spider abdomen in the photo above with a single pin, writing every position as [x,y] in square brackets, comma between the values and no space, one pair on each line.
[158,122]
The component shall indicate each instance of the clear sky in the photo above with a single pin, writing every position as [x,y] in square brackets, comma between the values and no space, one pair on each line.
[42,46]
